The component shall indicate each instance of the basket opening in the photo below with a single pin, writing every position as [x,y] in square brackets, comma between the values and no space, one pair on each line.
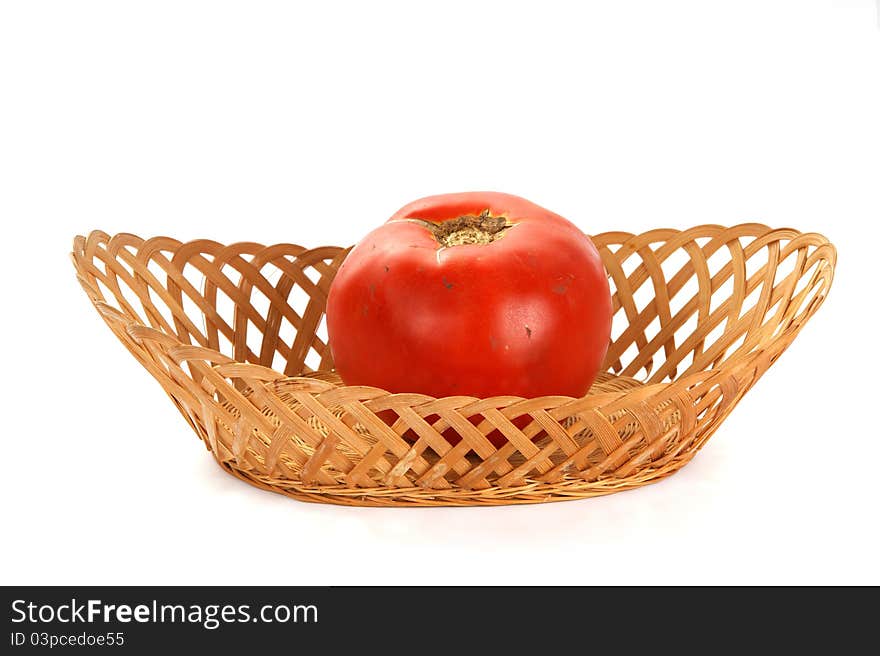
[693,298]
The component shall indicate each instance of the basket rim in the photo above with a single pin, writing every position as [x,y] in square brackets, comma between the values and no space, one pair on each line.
[226,365]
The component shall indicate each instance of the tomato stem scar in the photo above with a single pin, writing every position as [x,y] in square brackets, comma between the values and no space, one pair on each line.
[483,228]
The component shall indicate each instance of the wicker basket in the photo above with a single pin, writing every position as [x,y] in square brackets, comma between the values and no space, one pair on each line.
[236,337]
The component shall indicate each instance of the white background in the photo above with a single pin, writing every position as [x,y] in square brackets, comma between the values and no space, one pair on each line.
[313,122]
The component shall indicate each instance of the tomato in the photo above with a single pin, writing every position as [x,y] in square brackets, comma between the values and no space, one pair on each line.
[478,294]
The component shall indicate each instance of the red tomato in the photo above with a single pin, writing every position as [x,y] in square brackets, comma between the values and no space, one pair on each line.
[477,294]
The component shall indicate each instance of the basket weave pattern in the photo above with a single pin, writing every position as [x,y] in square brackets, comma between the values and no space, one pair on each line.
[236,336]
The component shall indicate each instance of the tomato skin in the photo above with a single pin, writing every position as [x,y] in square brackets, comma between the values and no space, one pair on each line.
[528,314]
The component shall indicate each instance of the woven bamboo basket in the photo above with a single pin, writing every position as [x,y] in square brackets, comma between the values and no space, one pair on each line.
[236,336]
